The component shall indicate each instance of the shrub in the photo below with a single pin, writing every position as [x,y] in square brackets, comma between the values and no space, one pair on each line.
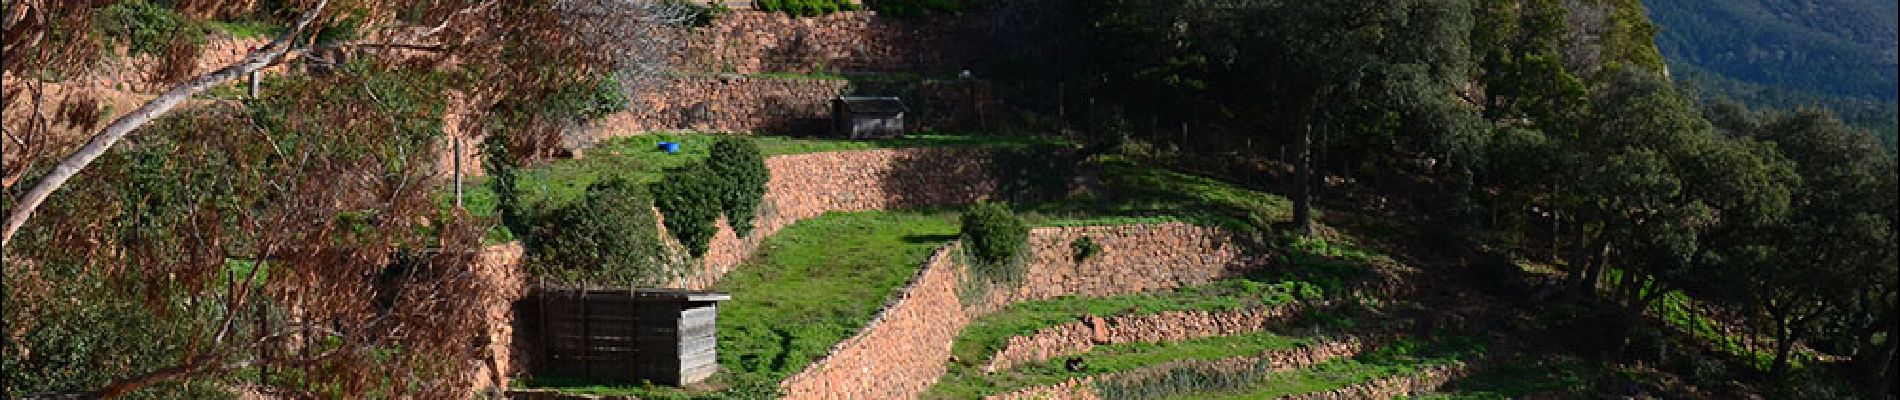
[689,197]
[743,175]
[146,28]
[1085,248]
[588,99]
[997,238]
[70,329]
[607,236]
[805,8]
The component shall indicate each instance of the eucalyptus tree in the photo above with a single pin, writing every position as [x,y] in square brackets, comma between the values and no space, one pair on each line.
[294,237]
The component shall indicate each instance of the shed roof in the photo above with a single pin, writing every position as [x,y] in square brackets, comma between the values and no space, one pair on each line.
[646,294]
[872,104]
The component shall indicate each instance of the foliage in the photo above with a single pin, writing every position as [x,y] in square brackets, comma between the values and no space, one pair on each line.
[741,167]
[919,8]
[1029,175]
[690,198]
[588,100]
[73,333]
[1840,48]
[997,239]
[608,237]
[146,27]
[817,282]
[730,181]
[1084,249]
[805,8]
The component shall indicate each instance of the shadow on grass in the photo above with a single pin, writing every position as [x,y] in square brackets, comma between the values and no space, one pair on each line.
[922,239]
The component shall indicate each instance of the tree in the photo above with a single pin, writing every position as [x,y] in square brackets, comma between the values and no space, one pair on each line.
[1840,235]
[297,231]
[22,208]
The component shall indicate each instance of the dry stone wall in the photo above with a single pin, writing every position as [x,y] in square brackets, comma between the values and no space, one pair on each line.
[730,103]
[1407,385]
[808,185]
[749,42]
[901,352]
[1081,336]
[1278,360]
[788,106]
[1133,259]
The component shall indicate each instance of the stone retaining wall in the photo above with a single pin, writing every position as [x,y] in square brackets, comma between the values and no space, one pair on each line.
[1081,336]
[1277,360]
[808,185]
[1133,259]
[1425,381]
[753,41]
[901,352]
[788,106]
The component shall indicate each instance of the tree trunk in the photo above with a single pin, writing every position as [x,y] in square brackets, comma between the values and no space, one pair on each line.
[1303,181]
[1587,264]
[23,208]
[1784,344]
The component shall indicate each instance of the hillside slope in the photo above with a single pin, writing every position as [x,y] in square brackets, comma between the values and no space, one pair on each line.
[1782,54]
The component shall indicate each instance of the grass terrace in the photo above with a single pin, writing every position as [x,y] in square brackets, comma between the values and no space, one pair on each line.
[638,158]
[819,281]
[1107,359]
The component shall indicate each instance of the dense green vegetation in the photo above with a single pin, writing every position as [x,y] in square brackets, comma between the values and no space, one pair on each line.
[1788,54]
[996,241]
[1834,47]
[609,235]
[147,28]
[1573,148]
[730,183]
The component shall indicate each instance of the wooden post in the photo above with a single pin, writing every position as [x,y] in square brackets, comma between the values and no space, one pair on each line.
[253,84]
[458,170]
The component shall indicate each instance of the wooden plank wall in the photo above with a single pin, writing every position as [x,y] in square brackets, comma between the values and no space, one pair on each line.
[614,338]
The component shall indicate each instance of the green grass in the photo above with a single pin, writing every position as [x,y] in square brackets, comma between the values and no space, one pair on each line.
[1565,377]
[989,333]
[247,29]
[1401,357]
[639,159]
[1135,190]
[818,282]
[810,286]
[1107,359]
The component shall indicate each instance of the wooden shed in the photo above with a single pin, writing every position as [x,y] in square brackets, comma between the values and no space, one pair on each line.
[866,117]
[663,336]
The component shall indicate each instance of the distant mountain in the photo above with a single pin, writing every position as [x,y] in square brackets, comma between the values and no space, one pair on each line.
[1840,54]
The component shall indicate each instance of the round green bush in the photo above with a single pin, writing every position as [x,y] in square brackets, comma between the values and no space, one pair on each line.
[994,235]
[689,197]
[741,169]
[607,237]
